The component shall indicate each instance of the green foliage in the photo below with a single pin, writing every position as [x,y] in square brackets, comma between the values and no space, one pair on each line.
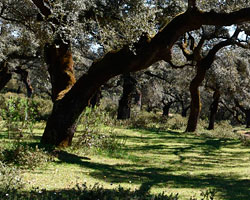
[245,138]
[18,114]
[93,133]
[176,122]
[206,195]
[10,180]
[93,192]
[25,157]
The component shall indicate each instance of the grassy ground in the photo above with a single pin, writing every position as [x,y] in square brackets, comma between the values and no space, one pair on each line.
[154,160]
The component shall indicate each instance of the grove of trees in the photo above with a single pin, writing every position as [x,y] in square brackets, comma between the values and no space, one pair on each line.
[80,45]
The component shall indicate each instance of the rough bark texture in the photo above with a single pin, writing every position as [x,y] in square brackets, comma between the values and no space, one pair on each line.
[5,75]
[60,67]
[195,107]
[129,86]
[61,124]
[202,66]
[214,109]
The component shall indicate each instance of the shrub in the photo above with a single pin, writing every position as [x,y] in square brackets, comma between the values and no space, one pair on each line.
[26,157]
[10,180]
[93,134]
[176,122]
[92,193]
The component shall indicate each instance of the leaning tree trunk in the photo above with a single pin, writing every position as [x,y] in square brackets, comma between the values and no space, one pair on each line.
[124,107]
[5,75]
[195,107]
[213,109]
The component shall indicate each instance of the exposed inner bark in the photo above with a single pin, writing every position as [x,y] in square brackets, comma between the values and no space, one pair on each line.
[129,87]
[214,109]
[60,67]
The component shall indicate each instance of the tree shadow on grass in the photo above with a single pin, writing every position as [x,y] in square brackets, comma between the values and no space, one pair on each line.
[230,187]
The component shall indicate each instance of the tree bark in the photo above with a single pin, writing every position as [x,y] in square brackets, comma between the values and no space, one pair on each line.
[25,79]
[5,75]
[166,108]
[62,122]
[60,67]
[129,86]
[213,109]
[60,130]
[195,106]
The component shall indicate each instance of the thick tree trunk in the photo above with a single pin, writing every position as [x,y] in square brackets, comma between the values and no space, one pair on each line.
[60,130]
[60,67]
[213,109]
[129,86]
[166,108]
[195,107]
[5,75]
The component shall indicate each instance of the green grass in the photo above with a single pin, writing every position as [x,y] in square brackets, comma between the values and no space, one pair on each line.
[152,159]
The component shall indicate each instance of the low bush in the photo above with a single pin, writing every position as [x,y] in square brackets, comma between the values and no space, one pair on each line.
[93,133]
[176,122]
[10,181]
[97,192]
[25,157]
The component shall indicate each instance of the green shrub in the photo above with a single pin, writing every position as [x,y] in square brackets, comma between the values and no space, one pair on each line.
[245,138]
[176,122]
[26,157]
[206,195]
[92,132]
[10,180]
[96,192]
